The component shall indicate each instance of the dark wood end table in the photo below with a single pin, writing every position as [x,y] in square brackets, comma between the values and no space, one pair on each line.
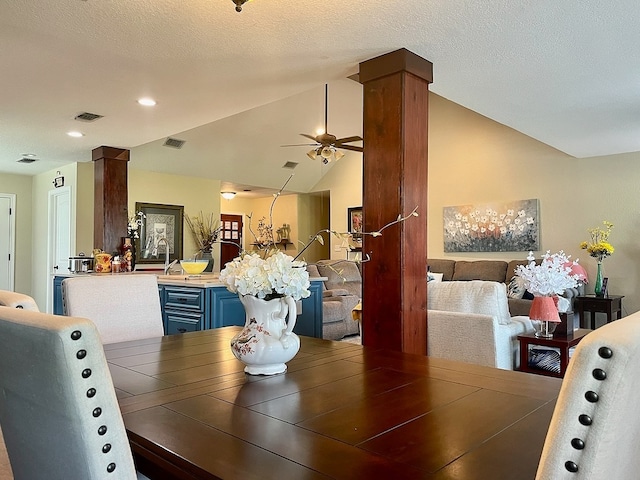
[590,303]
[563,343]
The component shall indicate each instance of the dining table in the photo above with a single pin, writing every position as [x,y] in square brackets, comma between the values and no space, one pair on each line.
[341,410]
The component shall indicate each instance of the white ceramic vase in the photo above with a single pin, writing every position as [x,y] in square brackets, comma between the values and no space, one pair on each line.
[267,340]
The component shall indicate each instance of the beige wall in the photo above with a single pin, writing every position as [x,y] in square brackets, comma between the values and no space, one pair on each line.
[194,194]
[21,187]
[344,181]
[473,159]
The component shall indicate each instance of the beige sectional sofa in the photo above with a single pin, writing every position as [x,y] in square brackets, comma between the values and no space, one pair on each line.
[491,270]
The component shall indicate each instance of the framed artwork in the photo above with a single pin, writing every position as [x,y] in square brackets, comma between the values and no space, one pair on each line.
[354,226]
[494,227]
[161,229]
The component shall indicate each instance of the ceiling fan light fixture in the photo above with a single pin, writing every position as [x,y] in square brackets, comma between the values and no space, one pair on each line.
[228,195]
[327,152]
[312,154]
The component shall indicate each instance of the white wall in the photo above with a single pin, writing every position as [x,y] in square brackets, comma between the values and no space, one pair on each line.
[20,186]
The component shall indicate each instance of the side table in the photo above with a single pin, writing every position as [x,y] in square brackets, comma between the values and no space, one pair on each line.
[590,303]
[560,342]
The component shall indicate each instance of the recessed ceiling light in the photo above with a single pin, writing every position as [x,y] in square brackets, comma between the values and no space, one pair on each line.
[75,134]
[147,102]
[29,155]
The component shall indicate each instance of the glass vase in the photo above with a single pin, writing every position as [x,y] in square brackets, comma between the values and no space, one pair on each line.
[598,286]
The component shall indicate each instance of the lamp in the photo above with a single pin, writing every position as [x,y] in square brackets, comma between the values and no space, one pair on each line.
[228,195]
[544,316]
[325,153]
[239,4]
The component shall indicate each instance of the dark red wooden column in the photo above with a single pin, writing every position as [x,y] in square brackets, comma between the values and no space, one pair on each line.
[110,197]
[396,94]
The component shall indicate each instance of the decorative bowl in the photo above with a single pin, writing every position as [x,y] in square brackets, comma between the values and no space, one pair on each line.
[194,267]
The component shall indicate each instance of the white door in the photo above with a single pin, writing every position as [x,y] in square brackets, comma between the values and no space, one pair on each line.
[7,240]
[59,235]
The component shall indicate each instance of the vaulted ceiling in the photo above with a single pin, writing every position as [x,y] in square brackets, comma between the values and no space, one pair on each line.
[237,86]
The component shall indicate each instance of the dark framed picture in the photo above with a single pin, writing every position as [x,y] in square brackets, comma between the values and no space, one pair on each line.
[354,225]
[161,229]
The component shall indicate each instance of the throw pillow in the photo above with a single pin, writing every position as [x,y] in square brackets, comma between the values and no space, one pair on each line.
[434,277]
[545,359]
[516,287]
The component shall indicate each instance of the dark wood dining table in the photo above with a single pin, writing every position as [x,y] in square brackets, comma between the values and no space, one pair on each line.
[340,411]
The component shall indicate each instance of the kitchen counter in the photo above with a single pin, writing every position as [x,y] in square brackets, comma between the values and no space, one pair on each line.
[200,302]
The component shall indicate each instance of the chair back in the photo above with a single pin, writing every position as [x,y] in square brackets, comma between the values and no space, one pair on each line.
[123,307]
[17,300]
[474,296]
[341,274]
[58,409]
[595,428]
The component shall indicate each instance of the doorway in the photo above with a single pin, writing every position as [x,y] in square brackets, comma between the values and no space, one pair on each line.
[59,234]
[7,241]
[231,235]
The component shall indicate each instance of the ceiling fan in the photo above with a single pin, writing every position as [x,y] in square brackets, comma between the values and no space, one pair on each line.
[327,145]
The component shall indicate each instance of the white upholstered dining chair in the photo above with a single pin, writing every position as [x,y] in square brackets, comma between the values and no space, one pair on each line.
[123,307]
[58,409]
[595,429]
[17,300]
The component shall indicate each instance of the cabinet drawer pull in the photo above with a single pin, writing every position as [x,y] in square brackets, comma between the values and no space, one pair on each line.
[182,330]
[182,300]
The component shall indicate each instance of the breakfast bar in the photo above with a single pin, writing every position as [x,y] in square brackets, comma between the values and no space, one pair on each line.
[340,411]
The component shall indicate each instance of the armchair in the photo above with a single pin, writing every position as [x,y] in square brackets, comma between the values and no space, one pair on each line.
[337,304]
[469,321]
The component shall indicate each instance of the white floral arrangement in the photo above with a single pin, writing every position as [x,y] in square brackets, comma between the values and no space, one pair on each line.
[551,277]
[277,275]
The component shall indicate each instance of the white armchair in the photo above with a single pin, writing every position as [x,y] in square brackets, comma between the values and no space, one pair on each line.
[469,321]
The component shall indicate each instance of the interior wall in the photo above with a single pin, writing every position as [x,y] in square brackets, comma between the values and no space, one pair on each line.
[41,272]
[344,182]
[194,194]
[473,159]
[313,216]
[21,187]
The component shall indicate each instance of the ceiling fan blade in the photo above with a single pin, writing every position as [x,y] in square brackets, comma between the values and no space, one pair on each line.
[309,137]
[349,139]
[350,147]
[301,145]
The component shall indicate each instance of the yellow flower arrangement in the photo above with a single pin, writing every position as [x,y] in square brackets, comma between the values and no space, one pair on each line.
[599,247]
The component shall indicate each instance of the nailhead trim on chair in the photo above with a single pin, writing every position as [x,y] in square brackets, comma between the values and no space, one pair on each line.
[591,397]
[91,392]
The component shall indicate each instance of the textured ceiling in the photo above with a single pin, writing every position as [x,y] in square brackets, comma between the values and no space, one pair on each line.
[566,73]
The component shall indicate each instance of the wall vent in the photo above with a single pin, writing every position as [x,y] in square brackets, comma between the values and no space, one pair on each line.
[290,165]
[27,160]
[173,143]
[87,117]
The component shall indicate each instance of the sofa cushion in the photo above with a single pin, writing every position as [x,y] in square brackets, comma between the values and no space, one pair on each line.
[477,296]
[443,266]
[489,270]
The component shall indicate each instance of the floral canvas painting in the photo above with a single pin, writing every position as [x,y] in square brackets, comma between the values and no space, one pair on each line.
[499,227]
